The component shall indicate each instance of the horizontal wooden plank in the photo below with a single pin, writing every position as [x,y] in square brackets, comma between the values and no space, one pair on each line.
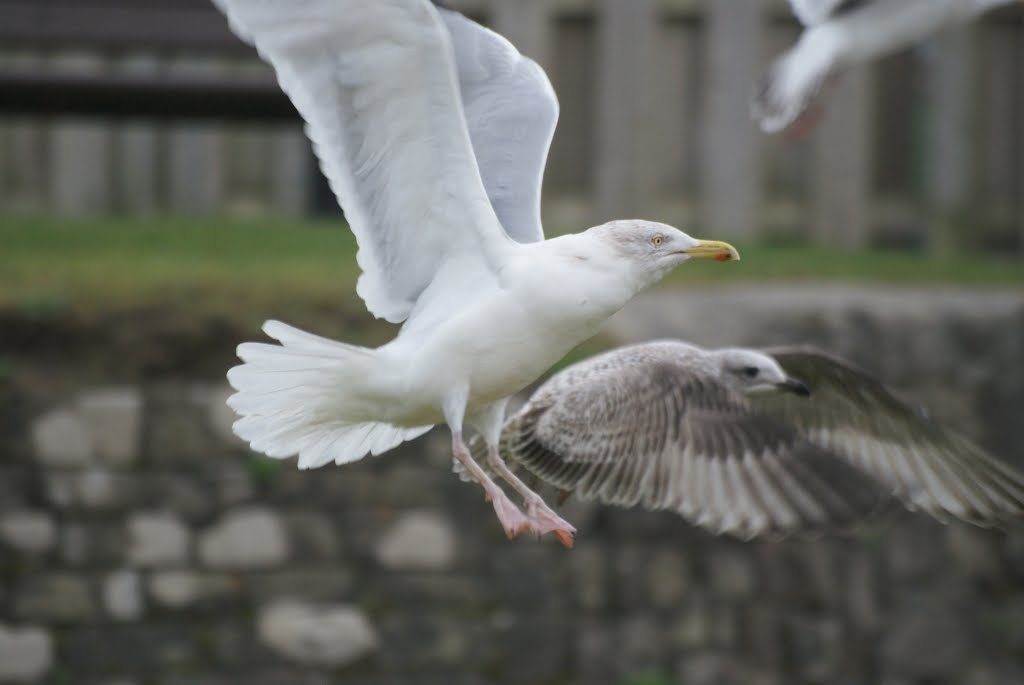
[129,95]
[155,24]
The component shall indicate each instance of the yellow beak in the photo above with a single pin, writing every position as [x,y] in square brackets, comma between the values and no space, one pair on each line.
[713,249]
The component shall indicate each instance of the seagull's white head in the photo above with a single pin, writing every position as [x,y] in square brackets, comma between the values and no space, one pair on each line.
[656,248]
[749,371]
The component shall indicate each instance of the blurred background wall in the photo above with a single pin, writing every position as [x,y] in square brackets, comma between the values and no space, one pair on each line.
[142,544]
[923,150]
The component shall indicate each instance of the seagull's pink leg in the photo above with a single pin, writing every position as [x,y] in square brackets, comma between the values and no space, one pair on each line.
[541,518]
[511,518]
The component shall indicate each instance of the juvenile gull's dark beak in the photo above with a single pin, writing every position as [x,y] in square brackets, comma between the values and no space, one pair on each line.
[796,387]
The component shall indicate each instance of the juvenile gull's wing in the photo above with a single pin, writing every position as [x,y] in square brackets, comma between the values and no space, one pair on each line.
[375,82]
[511,111]
[926,465]
[664,436]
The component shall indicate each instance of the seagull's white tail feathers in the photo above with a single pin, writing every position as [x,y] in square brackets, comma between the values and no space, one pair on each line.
[297,398]
[791,84]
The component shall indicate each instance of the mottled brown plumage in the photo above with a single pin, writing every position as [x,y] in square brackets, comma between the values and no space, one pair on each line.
[708,434]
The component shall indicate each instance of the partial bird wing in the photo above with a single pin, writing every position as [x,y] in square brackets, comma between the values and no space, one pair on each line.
[375,82]
[666,437]
[814,12]
[511,111]
[926,465]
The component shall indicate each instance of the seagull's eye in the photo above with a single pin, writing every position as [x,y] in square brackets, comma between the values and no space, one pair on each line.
[657,240]
[750,371]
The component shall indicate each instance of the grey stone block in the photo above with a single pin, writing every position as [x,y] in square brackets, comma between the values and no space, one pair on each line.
[419,540]
[174,589]
[28,531]
[58,597]
[114,419]
[61,438]
[324,635]
[245,538]
[122,595]
[26,654]
[97,488]
[157,539]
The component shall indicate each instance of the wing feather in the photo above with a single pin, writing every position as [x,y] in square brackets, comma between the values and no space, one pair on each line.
[814,12]
[668,437]
[926,465]
[375,82]
[511,110]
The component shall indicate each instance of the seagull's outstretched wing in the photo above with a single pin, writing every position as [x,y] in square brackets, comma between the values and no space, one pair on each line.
[838,35]
[375,82]
[814,12]
[926,465]
[511,111]
[666,437]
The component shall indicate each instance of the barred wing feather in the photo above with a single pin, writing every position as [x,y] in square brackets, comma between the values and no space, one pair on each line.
[923,463]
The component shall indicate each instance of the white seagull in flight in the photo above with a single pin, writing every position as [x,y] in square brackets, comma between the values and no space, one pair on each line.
[433,132]
[838,34]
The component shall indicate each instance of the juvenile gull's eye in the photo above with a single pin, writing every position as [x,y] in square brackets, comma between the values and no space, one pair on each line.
[750,371]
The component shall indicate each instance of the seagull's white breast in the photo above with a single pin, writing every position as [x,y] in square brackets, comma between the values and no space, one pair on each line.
[508,332]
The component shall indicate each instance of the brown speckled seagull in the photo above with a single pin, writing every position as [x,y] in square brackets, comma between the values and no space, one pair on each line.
[731,440]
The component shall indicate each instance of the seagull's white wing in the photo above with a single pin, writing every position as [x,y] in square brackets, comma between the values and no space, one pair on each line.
[926,465]
[663,436]
[511,111]
[814,12]
[375,83]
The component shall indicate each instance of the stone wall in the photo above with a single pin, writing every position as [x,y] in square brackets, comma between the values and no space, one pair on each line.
[141,544]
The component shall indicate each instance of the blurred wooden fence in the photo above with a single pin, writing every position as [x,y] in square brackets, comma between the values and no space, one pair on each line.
[925,148]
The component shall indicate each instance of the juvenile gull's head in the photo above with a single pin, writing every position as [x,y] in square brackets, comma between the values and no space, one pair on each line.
[749,371]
